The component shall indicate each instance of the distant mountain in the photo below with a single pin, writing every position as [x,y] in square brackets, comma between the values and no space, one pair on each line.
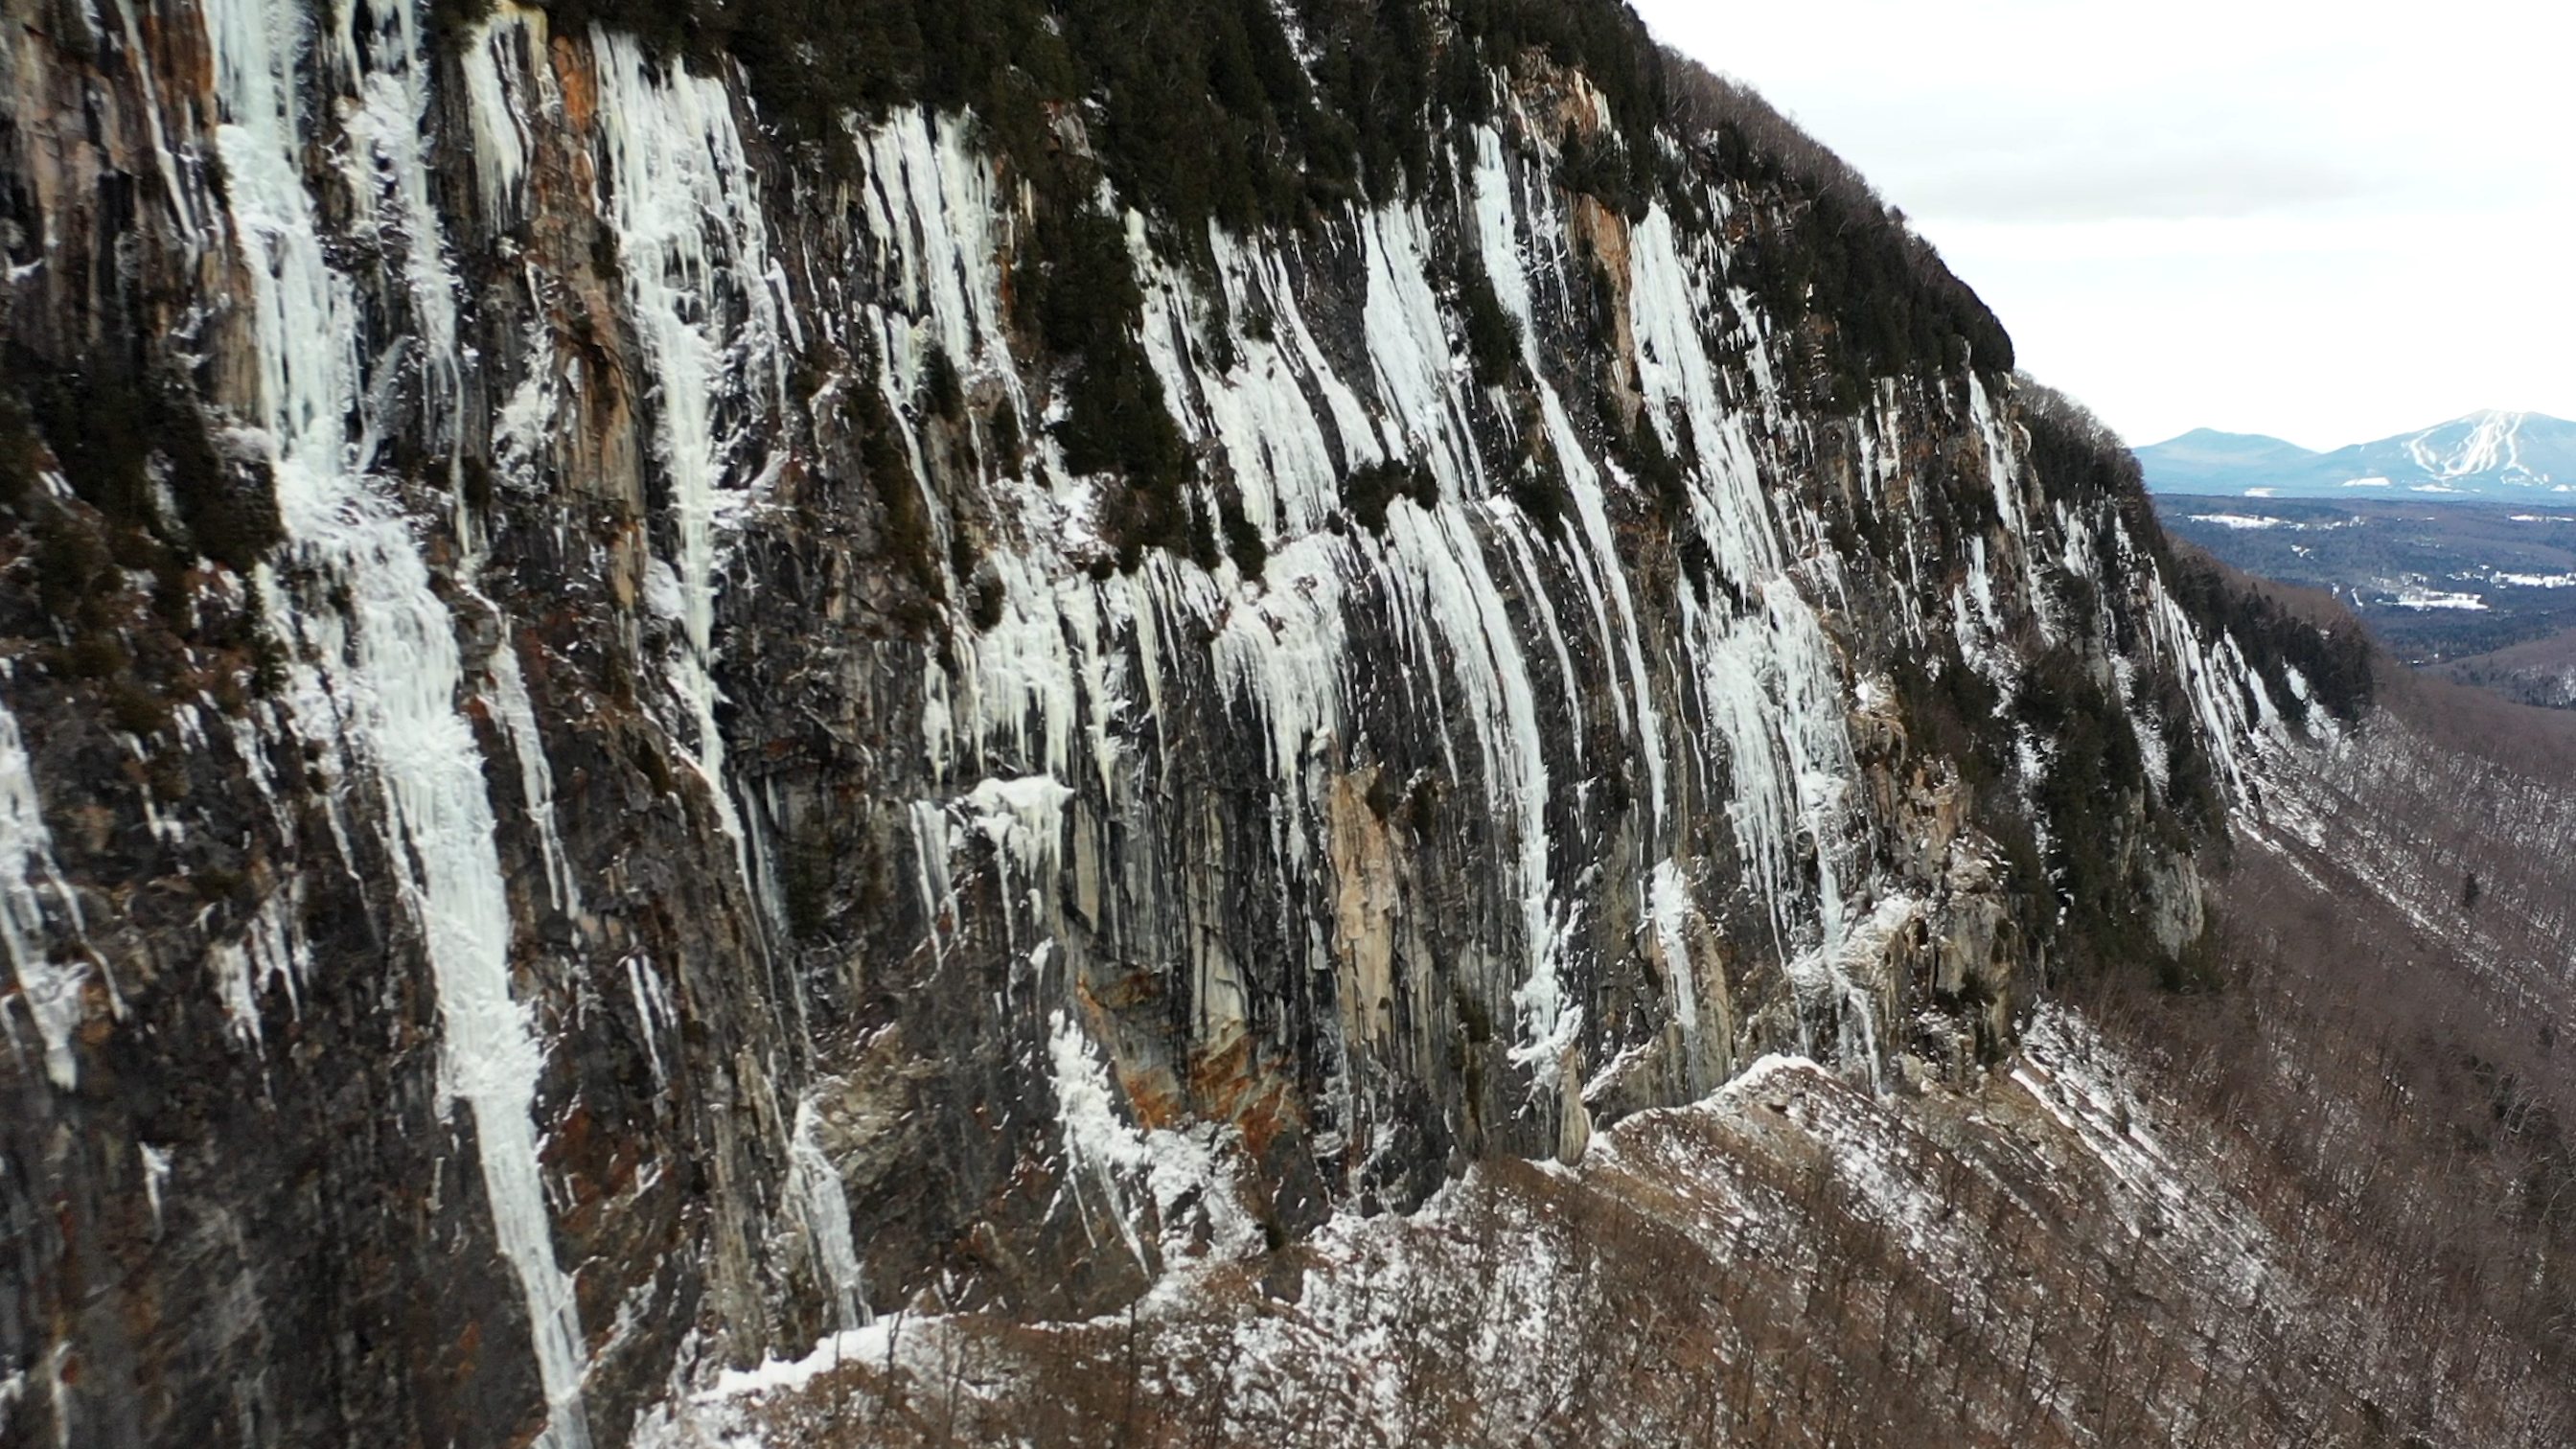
[2206,460]
[2491,455]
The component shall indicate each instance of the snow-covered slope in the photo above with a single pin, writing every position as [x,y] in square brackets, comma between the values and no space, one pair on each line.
[2485,455]
[2062,1253]
[2319,1209]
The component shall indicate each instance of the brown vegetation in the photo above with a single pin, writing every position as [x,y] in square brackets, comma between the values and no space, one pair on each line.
[2329,1203]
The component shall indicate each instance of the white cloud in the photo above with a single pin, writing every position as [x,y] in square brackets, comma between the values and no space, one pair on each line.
[2327,221]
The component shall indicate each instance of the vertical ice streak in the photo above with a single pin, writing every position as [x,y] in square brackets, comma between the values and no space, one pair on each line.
[182,200]
[930,206]
[1668,907]
[1674,371]
[385,674]
[156,1176]
[693,248]
[814,1186]
[1498,232]
[1098,1144]
[1436,563]
[518,718]
[33,911]
[1770,685]
[500,136]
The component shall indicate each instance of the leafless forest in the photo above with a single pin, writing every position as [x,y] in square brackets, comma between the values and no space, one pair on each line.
[2329,1201]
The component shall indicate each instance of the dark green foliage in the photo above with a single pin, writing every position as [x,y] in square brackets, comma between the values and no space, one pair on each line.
[1663,478]
[1952,712]
[1374,73]
[1116,422]
[2192,784]
[115,432]
[1605,295]
[19,462]
[1368,491]
[1538,489]
[1003,431]
[2336,660]
[945,393]
[1207,112]
[1893,305]
[1200,111]
[96,655]
[2086,894]
[474,482]
[214,883]
[1493,338]
[73,568]
[1536,483]
[2095,779]
[450,21]
[1203,109]
[2104,822]
[1080,286]
[1082,290]
[135,710]
[1243,542]
[1606,169]
[1604,39]
[149,496]
[1136,519]
[2079,459]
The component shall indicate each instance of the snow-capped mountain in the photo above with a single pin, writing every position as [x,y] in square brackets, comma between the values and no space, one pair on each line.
[2490,454]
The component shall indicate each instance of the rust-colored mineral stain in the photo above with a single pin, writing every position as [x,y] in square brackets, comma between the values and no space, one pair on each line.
[572,73]
[1228,1084]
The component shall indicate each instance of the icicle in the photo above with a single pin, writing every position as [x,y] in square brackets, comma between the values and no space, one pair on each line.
[490,66]
[1498,231]
[36,910]
[814,1186]
[509,696]
[156,1176]
[654,1014]
[1443,572]
[1098,1143]
[930,208]
[387,674]
[1436,566]
[693,248]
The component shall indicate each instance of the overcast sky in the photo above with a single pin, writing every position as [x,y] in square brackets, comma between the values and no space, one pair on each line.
[2327,222]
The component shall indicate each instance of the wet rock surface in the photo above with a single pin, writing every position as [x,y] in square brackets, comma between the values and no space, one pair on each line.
[587,793]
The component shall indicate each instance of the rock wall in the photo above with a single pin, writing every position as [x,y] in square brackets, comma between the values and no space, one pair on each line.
[588,790]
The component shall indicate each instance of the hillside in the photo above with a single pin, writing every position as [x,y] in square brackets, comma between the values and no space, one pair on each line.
[2434,581]
[1113,721]
[2540,672]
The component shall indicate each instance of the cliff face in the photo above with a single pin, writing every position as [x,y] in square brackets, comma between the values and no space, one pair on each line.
[630,738]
